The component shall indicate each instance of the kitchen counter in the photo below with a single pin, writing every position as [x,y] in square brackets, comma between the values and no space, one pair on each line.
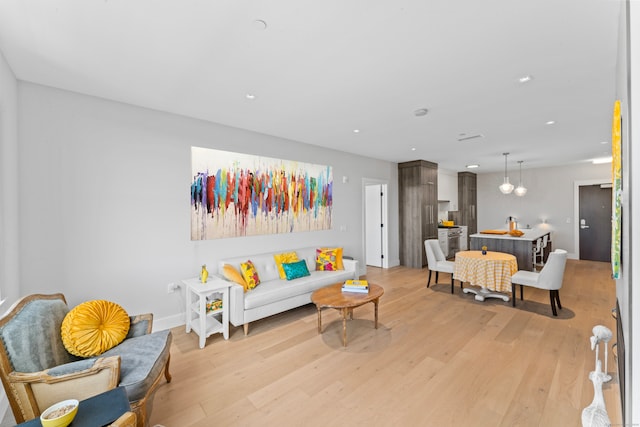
[521,247]
[531,235]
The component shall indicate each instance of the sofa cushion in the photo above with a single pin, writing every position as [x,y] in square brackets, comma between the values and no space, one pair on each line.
[295,270]
[278,290]
[233,275]
[286,257]
[250,274]
[93,327]
[141,361]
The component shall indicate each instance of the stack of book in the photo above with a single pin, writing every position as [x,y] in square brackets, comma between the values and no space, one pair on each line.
[214,304]
[361,286]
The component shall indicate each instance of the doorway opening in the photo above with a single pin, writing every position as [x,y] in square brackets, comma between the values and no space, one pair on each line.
[375,217]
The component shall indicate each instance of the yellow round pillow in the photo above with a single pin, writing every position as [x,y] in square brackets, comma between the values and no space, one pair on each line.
[94,327]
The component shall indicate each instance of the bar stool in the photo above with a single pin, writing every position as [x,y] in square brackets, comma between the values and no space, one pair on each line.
[538,251]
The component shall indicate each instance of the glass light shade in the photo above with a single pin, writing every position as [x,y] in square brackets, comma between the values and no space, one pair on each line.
[506,187]
[520,191]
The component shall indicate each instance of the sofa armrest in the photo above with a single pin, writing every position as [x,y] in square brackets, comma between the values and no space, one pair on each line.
[352,265]
[70,371]
[75,380]
[236,304]
[141,324]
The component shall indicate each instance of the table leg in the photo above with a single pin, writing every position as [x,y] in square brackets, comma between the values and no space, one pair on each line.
[344,326]
[375,303]
[319,320]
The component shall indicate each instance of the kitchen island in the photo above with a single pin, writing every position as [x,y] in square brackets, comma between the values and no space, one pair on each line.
[521,247]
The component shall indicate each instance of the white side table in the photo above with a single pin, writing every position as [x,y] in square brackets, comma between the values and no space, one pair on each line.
[203,323]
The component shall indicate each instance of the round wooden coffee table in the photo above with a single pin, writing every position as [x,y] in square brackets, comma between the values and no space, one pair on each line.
[333,297]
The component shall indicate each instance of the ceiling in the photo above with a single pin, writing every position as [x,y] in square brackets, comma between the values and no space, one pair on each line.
[319,70]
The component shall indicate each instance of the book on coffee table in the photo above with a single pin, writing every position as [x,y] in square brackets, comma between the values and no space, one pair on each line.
[361,286]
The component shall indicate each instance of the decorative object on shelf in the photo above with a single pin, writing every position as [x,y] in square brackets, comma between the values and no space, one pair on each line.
[204,274]
[604,334]
[520,189]
[595,415]
[484,250]
[506,187]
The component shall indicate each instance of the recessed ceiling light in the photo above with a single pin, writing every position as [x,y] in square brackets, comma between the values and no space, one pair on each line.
[602,160]
[473,166]
[604,142]
[356,131]
[250,96]
[525,79]
[420,112]
[551,122]
[413,148]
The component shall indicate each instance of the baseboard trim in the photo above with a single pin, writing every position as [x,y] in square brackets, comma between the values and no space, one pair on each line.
[169,322]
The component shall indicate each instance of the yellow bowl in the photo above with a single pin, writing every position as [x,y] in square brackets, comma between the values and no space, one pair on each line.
[447,223]
[63,419]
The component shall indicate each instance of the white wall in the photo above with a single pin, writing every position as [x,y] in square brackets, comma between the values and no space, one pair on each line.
[550,196]
[104,200]
[629,94]
[9,261]
[8,183]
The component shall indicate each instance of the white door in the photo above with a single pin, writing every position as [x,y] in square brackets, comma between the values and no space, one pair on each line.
[373,224]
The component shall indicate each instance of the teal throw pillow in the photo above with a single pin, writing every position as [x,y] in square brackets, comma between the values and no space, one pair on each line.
[295,270]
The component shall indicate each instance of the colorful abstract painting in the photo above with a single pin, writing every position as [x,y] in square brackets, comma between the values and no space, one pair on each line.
[616,171]
[234,194]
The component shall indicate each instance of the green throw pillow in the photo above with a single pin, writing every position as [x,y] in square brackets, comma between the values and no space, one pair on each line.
[295,270]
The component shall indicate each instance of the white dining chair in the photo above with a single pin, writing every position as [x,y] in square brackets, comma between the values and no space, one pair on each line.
[550,277]
[436,261]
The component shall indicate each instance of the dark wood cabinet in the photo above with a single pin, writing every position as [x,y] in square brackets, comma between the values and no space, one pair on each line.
[467,201]
[418,200]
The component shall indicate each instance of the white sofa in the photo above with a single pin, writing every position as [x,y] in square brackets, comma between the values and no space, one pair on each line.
[274,295]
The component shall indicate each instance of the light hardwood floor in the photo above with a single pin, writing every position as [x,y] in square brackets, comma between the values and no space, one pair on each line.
[436,360]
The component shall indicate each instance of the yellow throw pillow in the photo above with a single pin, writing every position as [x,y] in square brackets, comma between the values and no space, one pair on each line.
[329,259]
[250,274]
[94,327]
[285,258]
[234,275]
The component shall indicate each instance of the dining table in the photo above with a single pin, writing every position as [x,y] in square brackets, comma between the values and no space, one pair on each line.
[487,270]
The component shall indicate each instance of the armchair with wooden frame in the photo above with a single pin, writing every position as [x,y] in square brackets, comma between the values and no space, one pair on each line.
[37,370]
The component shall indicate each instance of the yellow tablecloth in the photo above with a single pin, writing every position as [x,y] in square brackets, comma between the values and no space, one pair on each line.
[492,271]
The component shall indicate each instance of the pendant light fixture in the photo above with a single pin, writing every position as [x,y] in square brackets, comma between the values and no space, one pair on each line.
[520,189]
[506,187]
